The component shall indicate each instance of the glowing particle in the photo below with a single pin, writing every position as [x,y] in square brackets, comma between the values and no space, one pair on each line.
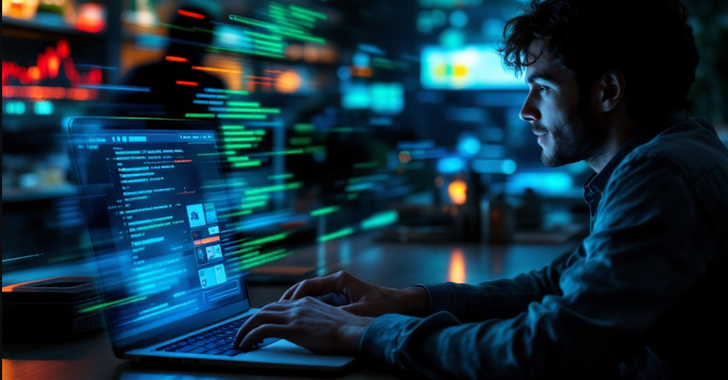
[457,191]
[288,82]
[404,156]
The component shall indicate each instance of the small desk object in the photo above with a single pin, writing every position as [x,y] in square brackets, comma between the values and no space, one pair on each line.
[51,309]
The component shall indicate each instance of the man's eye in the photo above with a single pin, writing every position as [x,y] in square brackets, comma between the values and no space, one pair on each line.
[542,88]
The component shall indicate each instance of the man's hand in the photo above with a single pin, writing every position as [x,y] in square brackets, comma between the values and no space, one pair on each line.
[308,323]
[360,297]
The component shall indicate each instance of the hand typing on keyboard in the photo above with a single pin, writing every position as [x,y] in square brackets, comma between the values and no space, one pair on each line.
[215,341]
[360,297]
[306,322]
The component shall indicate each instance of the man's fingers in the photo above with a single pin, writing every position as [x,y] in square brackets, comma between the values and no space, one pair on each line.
[358,308]
[258,334]
[333,299]
[276,306]
[332,283]
[287,295]
[316,286]
[263,317]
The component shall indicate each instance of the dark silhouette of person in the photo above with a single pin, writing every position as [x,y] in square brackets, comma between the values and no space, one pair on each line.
[174,82]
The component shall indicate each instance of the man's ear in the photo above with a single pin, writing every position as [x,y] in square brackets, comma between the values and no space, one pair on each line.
[610,89]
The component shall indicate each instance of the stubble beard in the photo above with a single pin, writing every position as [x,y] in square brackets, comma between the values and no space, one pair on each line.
[576,140]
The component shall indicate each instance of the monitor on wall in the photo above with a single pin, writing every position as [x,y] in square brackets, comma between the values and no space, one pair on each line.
[470,67]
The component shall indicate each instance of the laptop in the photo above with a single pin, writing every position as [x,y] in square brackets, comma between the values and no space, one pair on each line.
[170,263]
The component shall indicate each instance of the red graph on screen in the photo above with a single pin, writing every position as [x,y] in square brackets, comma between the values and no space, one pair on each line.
[54,63]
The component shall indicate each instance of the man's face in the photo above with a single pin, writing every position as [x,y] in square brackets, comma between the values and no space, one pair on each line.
[565,125]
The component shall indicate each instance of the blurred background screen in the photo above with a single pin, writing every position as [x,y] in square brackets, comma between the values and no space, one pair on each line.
[334,117]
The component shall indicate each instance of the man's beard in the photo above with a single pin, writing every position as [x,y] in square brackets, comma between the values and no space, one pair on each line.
[576,140]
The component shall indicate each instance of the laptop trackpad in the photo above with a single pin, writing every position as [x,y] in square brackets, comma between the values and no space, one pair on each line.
[266,342]
[283,346]
[285,353]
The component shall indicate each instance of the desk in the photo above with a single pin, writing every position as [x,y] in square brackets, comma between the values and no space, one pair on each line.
[390,264]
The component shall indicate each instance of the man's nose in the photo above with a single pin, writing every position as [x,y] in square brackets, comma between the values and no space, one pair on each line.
[528,111]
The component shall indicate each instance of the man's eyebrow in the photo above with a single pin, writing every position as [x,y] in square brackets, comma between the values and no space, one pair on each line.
[540,77]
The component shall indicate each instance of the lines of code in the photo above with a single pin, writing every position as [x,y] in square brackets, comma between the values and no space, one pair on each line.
[164,215]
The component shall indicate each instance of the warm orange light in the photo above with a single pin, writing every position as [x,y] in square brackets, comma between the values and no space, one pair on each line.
[91,18]
[404,156]
[360,72]
[457,190]
[456,271]
[215,69]
[79,94]
[34,73]
[232,70]
[42,93]
[288,82]
[310,53]
[294,52]
[25,9]
[172,58]
[207,240]
[53,66]
[38,92]
[328,54]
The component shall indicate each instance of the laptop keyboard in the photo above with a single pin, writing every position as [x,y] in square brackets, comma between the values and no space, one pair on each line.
[216,341]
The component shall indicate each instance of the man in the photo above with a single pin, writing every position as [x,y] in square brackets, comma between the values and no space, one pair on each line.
[640,297]
[172,81]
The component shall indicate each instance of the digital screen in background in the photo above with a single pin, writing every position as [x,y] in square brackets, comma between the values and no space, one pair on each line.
[471,67]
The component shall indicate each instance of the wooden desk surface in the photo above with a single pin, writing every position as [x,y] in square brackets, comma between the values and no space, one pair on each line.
[390,264]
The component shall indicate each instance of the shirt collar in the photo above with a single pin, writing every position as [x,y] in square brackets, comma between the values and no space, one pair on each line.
[596,183]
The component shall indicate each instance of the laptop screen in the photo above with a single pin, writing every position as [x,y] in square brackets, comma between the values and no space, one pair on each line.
[159,219]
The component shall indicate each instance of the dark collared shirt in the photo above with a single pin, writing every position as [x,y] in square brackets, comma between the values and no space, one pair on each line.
[639,298]
[597,182]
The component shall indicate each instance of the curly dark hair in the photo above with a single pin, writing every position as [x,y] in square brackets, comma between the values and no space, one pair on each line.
[649,41]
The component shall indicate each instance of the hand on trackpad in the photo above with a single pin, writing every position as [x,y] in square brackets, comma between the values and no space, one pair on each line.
[265,342]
